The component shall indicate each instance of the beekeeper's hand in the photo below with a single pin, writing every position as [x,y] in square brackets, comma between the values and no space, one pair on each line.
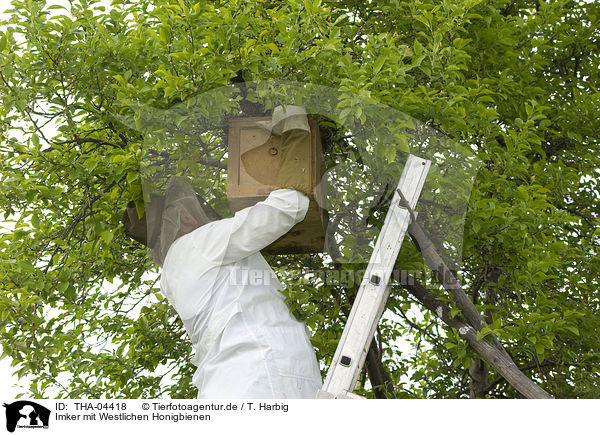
[291,122]
[286,118]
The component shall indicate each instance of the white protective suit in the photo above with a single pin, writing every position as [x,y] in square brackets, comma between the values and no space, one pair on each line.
[247,344]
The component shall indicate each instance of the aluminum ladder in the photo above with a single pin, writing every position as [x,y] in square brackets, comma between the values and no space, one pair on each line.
[374,289]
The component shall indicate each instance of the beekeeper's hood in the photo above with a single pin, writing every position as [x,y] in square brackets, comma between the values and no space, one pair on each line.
[166,218]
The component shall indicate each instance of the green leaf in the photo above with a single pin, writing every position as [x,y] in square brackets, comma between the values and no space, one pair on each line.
[378,64]
[308,5]
[539,349]
[390,153]
[132,176]
[107,236]
[573,329]
[165,35]
[35,220]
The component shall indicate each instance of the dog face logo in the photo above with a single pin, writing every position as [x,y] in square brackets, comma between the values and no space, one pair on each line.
[24,413]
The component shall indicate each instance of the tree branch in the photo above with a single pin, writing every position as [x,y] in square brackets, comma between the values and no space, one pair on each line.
[446,277]
[501,361]
[499,379]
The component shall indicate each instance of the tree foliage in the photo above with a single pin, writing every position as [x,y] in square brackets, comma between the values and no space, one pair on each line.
[515,80]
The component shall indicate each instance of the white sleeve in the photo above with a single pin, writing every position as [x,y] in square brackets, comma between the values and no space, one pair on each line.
[251,229]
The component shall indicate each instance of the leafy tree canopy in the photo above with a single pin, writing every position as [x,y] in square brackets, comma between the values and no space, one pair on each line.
[515,80]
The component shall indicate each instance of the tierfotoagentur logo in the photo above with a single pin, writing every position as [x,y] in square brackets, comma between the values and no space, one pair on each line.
[24,414]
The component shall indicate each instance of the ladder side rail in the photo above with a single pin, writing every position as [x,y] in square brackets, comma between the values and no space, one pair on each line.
[359,328]
[374,289]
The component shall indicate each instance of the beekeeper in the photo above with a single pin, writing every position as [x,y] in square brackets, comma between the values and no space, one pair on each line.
[247,343]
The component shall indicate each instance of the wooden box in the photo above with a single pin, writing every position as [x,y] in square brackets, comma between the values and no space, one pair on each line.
[243,190]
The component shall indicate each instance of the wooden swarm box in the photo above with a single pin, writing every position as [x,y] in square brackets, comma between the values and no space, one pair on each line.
[243,190]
